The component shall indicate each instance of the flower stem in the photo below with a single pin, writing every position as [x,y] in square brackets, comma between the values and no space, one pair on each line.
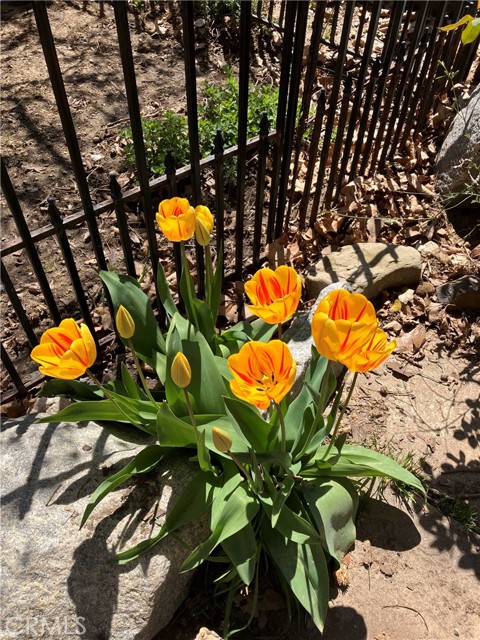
[282,426]
[280,331]
[242,468]
[342,413]
[322,401]
[140,372]
[192,417]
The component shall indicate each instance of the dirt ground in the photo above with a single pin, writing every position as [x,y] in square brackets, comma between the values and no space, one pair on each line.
[411,576]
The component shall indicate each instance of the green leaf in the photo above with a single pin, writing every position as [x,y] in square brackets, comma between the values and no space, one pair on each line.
[241,548]
[239,510]
[187,289]
[305,571]
[126,291]
[262,331]
[164,292]
[356,461]
[203,455]
[216,290]
[449,27]
[143,462]
[471,32]
[71,389]
[249,423]
[207,385]
[195,499]
[281,495]
[333,505]
[294,526]
[204,322]
[178,432]
[171,431]
[131,387]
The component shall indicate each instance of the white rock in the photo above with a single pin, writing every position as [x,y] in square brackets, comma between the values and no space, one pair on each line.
[55,574]
[458,160]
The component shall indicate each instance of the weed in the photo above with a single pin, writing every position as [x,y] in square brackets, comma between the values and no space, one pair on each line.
[458,509]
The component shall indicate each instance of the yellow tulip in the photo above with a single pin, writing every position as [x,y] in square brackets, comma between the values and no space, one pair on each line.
[203,214]
[202,234]
[181,372]
[372,354]
[65,351]
[343,324]
[176,219]
[125,323]
[262,372]
[275,294]
[221,440]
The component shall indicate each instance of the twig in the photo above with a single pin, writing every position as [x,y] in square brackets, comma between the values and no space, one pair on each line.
[402,606]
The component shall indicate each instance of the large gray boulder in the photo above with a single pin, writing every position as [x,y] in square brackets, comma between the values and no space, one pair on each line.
[458,162]
[368,268]
[60,580]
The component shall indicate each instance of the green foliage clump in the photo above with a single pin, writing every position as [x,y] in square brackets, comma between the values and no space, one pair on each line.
[219,110]
[169,132]
[215,10]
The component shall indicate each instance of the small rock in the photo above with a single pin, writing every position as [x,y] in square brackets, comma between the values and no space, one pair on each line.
[425,289]
[428,248]
[368,268]
[206,634]
[96,157]
[277,39]
[35,291]
[407,296]
[464,293]
[200,23]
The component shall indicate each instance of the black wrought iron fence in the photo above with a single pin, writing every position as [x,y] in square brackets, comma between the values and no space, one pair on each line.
[361,77]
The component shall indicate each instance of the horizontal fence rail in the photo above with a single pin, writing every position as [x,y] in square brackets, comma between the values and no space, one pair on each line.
[361,92]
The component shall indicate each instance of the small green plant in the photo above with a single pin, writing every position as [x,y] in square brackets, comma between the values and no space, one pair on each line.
[459,510]
[216,10]
[167,133]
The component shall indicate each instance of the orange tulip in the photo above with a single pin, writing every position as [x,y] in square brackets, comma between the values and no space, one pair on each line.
[262,372]
[343,324]
[275,294]
[65,351]
[176,219]
[373,353]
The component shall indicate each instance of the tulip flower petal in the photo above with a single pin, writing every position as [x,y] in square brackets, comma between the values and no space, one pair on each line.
[345,328]
[48,353]
[274,294]
[65,351]
[262,372]
[89,344]
[176,219]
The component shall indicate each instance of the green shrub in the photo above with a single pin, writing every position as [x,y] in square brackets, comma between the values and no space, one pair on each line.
[219,110]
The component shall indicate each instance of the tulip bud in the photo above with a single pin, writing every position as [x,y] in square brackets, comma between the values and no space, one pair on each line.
[125,323]
[221,440]
[202,234]
[180,371]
